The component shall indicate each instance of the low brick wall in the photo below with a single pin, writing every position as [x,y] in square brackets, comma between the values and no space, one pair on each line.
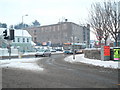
[92,53]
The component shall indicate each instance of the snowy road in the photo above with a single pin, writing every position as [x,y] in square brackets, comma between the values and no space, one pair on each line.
[58,73]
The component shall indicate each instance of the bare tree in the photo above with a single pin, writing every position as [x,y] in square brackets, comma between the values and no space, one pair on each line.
[113,19]
[105,19]
[98,21]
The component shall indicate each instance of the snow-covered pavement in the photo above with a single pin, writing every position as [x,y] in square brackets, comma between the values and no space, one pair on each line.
[25,63]
[80,58]
[30,63]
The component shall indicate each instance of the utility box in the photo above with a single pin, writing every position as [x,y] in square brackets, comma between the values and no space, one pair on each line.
[116,53]
[105,53]
[111,54]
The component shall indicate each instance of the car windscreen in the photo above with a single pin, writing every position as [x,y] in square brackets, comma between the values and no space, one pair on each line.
[41,50]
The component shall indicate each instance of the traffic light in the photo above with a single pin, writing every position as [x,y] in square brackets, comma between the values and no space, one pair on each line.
[5,34]
[11,34]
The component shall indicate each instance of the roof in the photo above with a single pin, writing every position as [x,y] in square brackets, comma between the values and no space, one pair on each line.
[23,33]
[18,32]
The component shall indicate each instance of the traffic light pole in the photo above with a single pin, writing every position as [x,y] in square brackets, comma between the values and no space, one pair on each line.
[9,40]
[9,48]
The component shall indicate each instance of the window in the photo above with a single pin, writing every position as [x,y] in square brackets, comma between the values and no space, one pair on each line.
[58,27]
[27,39]
[13,40]
[18,39]
[64,26]
[50,27]
[23,39]
[34,32]
[35,38]
[53,28]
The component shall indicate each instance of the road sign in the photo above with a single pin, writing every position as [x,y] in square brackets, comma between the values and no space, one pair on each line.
[106,50]
[117,53]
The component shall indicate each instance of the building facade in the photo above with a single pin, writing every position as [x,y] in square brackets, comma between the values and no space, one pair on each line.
[22,40]
[60,33]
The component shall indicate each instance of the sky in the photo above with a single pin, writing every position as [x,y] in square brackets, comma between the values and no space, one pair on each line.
[45,11]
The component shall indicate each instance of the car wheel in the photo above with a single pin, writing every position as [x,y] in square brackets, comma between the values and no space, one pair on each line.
[49,55]
[35,55]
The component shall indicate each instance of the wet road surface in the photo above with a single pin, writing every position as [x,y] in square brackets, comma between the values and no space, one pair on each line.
[60,74]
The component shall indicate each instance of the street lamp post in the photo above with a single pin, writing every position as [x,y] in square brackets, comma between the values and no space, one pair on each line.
[73,40]
[22,19]
[22,28]
[73,47]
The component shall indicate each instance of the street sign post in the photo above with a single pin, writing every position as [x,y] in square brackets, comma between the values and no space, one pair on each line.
[106,50]
[105,53]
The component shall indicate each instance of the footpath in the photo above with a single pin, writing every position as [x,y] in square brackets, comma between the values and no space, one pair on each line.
[82,59]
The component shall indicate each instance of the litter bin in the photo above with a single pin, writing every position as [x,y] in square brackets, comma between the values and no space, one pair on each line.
[117,53]
[111,54]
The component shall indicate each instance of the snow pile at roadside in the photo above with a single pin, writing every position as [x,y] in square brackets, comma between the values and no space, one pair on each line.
[25,63]
[80,58]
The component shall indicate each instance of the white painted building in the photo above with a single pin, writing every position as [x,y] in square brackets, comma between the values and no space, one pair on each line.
[23,40]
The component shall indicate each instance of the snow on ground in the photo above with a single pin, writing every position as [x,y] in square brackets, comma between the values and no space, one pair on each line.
[80,58]
[24,63]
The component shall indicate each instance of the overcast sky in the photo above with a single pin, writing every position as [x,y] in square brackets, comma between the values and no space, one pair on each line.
[45,11]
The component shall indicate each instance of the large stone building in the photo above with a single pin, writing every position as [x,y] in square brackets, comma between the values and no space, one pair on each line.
[60,33]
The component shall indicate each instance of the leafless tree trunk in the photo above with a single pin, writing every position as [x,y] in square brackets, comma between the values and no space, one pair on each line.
[95,21]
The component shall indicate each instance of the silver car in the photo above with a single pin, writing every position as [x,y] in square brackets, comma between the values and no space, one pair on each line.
[43,53]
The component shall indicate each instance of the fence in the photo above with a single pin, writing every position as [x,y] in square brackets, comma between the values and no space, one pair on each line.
[4,52]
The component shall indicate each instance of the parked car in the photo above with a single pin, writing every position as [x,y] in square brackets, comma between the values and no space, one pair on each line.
[52,50]
[59,50]
[68,52]
[79,51]
[43,53]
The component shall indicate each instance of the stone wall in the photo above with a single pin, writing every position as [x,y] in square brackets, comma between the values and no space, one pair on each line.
[92,53]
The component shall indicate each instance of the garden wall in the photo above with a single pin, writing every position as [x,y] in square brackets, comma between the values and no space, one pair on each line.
[92,53]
